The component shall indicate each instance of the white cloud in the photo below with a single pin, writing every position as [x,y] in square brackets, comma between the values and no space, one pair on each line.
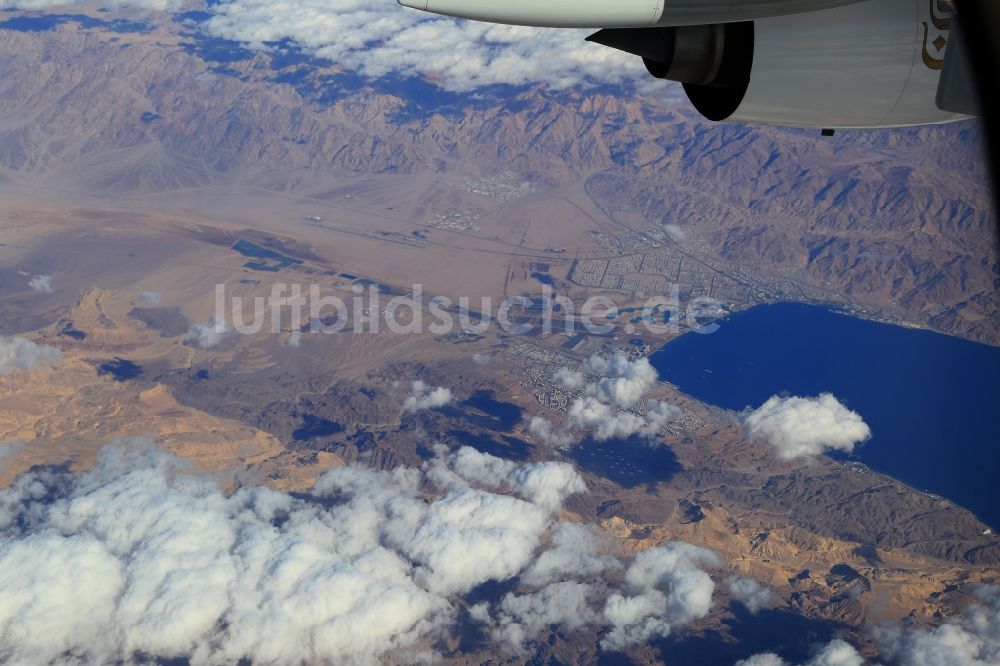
[379,38]
[749,592]
[592,415]
[41,283]
[659,414]
[972,639]
[43,587]
[207,336]
[806,427]
[179,569]
[765,659]
[622,382]
[676,232]
[481,613]
[546,484]
[424,397]
[666,588]
[482,359]
[569,379]
[835,653]
[146,5]
[523,617]
[20,354]
[604,422]
[137,556]
[545,431]
[149,298]
[574,551]
[467,538]
[609,391]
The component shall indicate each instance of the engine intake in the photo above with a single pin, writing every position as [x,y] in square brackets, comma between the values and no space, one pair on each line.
[872,64]
[714,62]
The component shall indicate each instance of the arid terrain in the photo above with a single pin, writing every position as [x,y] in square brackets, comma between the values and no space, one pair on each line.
[142,166]
[897,225]
[256,410]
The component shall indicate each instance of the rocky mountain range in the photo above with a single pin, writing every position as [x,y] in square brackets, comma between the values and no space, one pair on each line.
[145,162]
[900,220]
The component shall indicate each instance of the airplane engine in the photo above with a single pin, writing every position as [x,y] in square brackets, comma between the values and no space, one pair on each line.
[874,64]
[618,13]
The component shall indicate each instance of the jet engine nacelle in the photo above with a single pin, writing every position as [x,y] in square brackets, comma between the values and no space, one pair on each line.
[874,64]
[618,13]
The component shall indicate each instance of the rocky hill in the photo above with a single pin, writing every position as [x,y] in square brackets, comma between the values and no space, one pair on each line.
[898,220]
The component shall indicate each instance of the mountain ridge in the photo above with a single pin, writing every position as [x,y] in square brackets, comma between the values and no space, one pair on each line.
[898,220]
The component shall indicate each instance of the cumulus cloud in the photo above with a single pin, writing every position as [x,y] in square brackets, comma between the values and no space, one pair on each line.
[522,617]
[622,382]
[381,39]
[422,396]
[575,551]
[139,556]
[547,432]
[149,298]
[764,659]
[181,570]
[604,422]
[806,427]
[41,283]
[835,653]
[610,394]
[207,336]
[569,379]
[676,232]
[666,588]
[20,354]
[546,484]
[749,592]
[482,359]
[145,5]
[972,639]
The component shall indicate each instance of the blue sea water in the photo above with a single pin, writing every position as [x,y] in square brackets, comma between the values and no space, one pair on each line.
[931,400]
